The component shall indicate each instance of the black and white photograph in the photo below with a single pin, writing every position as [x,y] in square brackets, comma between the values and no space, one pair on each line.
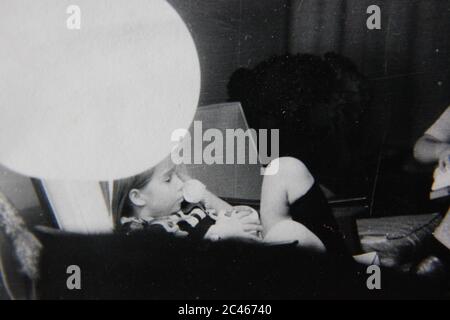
[224,150]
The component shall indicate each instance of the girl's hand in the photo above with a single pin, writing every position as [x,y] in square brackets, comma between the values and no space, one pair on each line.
[235,225]
[246,214]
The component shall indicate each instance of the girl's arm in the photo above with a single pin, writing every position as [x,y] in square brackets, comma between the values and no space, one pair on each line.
[211,201]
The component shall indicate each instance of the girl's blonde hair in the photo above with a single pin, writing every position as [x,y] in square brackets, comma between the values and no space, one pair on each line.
[121,203]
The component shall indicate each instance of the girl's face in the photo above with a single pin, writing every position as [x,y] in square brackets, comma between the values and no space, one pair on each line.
[163,194]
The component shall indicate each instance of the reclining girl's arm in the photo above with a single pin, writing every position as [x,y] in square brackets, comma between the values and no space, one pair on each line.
[211,201]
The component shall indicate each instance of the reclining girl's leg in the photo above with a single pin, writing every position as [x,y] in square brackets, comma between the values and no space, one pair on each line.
[293,194]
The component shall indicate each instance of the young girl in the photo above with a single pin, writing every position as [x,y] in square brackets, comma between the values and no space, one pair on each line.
[293,208]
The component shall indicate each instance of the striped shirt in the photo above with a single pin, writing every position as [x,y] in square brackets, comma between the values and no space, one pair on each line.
[193,220]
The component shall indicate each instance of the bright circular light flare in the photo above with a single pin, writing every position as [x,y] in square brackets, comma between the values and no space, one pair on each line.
[98,103]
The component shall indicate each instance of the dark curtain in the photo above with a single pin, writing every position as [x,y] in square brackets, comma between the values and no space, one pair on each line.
[407,64]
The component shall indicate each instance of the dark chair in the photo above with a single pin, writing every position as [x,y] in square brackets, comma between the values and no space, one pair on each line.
[158,266]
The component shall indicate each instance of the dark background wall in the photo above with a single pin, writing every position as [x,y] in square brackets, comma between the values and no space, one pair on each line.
[233,33]
[407,63]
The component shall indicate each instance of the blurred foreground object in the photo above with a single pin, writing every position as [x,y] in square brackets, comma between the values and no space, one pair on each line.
[95,103]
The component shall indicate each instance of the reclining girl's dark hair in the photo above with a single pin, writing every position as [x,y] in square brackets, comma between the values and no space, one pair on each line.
[121,203]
